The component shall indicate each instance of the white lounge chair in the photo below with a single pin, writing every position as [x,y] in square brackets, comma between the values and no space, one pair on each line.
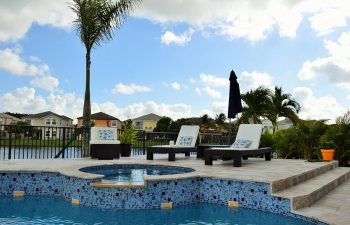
[240,148]
[104,143]
[185,143]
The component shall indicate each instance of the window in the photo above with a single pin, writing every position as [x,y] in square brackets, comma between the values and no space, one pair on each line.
[0,121]
[47,133]
[54,133]
[48,122]
[53,121]
[139,125]
[114,123]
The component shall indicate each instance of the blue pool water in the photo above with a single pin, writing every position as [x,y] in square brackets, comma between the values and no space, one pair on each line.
[55,210]
[133,174]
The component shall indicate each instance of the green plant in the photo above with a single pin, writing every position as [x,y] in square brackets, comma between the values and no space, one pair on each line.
[327,145]
[266,139]
[129,133]
[286,144]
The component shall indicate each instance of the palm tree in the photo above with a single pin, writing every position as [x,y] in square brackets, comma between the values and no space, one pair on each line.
[282,105]
[255,106]
[95,23]
[220,121]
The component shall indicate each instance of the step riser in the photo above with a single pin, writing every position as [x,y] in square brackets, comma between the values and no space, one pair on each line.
[292,181]
[307,200]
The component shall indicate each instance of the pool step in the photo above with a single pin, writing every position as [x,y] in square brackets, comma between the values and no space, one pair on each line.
[286,183]
[306,193]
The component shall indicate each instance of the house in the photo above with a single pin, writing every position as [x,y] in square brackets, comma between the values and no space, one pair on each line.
[6,119]
[282,124]
[147,122]
[49,123]
[102,119]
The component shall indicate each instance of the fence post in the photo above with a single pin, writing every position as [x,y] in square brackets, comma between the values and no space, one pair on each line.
[144,142]
[64,141]
[10,143]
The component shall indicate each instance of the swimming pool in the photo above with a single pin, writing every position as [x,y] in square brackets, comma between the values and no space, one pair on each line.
[133,174]
[54,210]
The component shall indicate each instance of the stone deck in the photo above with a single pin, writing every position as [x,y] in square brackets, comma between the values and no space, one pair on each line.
[283,175]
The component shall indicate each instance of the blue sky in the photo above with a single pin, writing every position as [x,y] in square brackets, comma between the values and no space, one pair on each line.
[174,57]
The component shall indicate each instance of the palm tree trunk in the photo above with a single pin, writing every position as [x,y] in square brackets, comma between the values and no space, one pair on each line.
[87,103]
[87,109]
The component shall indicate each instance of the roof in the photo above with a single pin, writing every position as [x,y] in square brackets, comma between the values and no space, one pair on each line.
[7,116]
[150,116]
[101,116]
[47,113]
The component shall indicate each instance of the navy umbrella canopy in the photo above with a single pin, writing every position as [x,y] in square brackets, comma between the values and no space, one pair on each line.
[234,102]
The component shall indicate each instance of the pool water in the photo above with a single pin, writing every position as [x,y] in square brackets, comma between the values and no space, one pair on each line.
[55,210]
[133,174]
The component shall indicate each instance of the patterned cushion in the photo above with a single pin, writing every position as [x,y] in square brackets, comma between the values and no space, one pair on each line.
[241,143]
[185,141]
[106,135]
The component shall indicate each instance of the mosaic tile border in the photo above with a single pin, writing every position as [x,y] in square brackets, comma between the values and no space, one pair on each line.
[251,195]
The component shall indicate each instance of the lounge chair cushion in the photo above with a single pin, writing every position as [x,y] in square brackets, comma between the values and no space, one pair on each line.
[106,135]
[185,140]
[241,143]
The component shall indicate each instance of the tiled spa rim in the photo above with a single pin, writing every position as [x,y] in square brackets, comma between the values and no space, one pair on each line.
[254,195]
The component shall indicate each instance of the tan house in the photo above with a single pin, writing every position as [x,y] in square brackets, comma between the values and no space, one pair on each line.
[6,119]
[147,122]
[102,119]
[49,123]
[282,125]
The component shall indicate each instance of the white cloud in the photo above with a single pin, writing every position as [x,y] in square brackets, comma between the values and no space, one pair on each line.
[26,100]
[11,61]
[336,66]
[214,81]
[18,16]
[251,80]
[175,86]
[198,91]
[129,89]
[250,19]
[317,107]
[170,38]
[211,92]
[192,80]
[47,83]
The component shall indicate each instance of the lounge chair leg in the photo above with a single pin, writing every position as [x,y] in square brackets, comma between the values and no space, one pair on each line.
[237,161]
[268,156]
[187,153]
[208,160]
[171,156]
[149,155]
[245,157]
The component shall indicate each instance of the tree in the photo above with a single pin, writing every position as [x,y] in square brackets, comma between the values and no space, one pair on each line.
[281,105]
[220,121]
[256,105]
[163,125]
[95,23]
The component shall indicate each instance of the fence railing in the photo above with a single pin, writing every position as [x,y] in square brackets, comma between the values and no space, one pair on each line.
[38,142]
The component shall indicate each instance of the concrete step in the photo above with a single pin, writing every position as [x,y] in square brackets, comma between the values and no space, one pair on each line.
[286,183]
[308,192]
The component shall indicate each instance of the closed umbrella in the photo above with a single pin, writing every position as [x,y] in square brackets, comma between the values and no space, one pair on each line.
[234,102]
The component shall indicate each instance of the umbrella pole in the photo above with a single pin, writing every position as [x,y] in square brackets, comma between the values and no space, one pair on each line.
[229,131]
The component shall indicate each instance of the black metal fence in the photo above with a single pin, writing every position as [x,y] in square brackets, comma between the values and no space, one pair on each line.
[39,142]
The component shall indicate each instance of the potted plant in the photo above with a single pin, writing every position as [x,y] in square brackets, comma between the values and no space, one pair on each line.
[327,150]
[126,138]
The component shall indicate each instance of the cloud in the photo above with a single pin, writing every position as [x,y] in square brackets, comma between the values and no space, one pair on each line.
[18,16]
[47,83]
[211,92]
[249,20]
[26,100]
[214,81]
[192,80]
[251,80]
[336,66]
[317,107]
[170,38]
[174,85]
[129,89]
[11,62]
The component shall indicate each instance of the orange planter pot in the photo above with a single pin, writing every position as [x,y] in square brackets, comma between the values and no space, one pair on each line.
[327,154]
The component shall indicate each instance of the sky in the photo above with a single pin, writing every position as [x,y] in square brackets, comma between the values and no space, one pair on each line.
[174,57]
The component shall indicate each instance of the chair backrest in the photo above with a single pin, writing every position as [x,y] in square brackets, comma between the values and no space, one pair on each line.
[250,132]
[104,134]
[185,132]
